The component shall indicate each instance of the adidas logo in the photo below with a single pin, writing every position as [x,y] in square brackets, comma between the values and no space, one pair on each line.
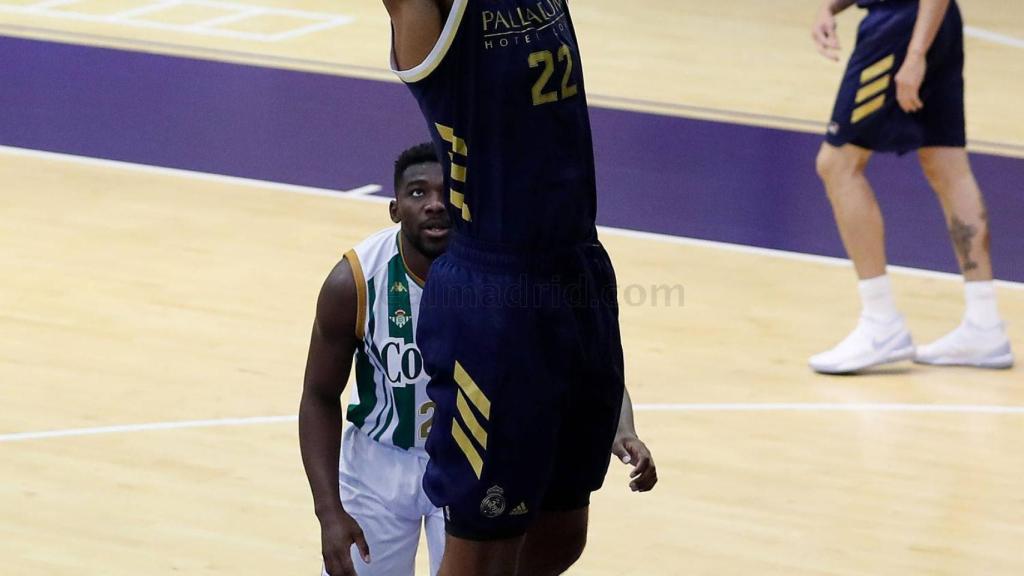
[519,510]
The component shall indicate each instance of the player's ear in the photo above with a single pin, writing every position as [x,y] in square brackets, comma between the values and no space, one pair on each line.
[393,211]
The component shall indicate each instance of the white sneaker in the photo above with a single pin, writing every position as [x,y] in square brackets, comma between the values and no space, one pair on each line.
[969,345]
[871,343]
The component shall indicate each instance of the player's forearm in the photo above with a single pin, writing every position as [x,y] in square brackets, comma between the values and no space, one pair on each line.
[320,422]
[837,6]
[930,14]
[627,428]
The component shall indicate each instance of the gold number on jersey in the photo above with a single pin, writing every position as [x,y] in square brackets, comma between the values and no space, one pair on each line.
[427,407]
[564,55]
[547,59]
[539,95]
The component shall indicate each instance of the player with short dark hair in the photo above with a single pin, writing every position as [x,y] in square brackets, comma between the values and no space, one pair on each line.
[371,498]
[367,484]
[903,90]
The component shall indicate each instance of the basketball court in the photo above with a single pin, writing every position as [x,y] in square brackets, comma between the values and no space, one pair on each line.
[178,177]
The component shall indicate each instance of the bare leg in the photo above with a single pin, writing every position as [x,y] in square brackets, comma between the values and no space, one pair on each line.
[854,205]
[554,542]
[471,558]
[949,173]
[980,340]
[881,336]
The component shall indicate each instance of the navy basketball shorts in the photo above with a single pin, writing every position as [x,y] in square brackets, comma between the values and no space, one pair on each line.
[866,111]
[526,369]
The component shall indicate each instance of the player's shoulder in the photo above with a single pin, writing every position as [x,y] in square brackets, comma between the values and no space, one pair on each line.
[374,253]
[337,306]
[343,296]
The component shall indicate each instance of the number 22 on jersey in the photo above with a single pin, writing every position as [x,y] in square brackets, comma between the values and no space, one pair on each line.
[546,61]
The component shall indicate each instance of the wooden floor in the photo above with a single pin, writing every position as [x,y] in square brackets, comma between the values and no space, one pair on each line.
[135,296]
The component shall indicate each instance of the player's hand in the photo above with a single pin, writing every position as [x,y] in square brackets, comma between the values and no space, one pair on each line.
[908,83]
[337,536]
[826,39]
[631,450]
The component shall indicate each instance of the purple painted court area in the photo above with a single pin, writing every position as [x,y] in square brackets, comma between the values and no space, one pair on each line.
[700,179]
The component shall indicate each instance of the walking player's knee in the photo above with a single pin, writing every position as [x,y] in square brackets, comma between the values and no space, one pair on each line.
[834,164]
[941,167]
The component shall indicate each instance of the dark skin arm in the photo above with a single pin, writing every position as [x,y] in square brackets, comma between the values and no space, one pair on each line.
[631,450]
[417,26]
[331,348]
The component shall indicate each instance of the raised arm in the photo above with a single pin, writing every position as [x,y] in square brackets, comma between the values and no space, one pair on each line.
[930,14]
[416,25]
[331,347]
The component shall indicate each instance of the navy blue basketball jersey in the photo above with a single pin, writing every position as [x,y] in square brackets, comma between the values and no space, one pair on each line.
[502,92]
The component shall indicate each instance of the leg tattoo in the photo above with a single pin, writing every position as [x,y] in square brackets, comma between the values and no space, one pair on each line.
[985,240]
[963,235]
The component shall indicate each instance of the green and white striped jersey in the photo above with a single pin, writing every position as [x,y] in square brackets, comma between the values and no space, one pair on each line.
[390,402]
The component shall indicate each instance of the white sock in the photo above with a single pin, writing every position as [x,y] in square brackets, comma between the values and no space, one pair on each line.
[981,304]
[876,299]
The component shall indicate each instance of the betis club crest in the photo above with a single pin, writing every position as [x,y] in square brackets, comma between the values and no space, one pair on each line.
[399,303]
[400,318]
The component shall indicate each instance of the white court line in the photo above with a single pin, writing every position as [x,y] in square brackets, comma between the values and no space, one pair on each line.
[368,197]
[160,170]
[768,407]
[228,18]
[130,17]
[47,4]
[363,190]
[22,436]
[79,17]
[995,37]
[309,29]
[784,254]
[146,9]
[304,14]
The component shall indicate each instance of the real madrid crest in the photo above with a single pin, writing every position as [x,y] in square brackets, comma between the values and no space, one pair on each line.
[493,505]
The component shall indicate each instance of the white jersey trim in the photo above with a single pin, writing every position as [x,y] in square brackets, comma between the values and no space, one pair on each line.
[367,255]
[437,54]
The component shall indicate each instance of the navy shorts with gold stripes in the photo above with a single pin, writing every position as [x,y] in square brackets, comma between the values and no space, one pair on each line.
[866,112]
[526,373]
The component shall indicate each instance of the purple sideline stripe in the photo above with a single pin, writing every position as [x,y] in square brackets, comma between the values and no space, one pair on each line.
[701,179]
